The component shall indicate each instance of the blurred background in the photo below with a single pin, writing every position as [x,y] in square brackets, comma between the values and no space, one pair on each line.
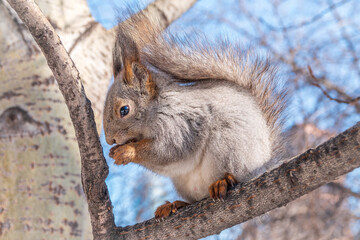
[316,45]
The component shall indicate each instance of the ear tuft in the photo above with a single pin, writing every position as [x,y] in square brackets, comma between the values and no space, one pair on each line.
[128,72]
[143,75]
[124,54]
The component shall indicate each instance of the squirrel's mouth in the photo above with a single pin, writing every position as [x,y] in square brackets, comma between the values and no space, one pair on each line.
[129,140]
[132,140]
[113,149]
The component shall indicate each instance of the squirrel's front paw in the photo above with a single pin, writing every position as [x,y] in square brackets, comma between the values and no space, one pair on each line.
[123,154]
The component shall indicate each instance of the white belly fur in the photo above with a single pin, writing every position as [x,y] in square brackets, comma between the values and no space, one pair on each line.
[241,149]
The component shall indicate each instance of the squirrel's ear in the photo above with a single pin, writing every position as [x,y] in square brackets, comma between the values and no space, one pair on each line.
[128,72]
[117,59]
[126,60]
[145,80]
[125,52]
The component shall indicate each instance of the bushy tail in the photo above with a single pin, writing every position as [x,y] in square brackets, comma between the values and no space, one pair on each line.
[195,58]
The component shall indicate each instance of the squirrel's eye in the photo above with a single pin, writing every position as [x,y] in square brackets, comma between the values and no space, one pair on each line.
[124,110]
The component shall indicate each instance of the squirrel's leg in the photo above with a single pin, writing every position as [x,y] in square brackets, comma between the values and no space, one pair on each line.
[218,189]
[135,152]
[168,208]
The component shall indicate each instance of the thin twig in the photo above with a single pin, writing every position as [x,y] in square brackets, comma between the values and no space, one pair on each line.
[90,26]
[314,83]
[344,189]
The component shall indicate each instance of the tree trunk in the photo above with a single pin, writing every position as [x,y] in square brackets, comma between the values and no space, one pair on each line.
[41,194]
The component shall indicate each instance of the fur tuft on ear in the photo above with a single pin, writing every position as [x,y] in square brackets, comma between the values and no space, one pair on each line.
[143,75]
[128,72]
[125,53]
[131,37]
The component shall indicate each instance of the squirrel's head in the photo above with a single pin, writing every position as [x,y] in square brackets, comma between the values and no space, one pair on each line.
[131,97]
[128,103]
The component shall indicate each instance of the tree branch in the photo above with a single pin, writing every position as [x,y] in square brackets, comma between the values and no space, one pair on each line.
[315,83]
[344,189]
[273,189]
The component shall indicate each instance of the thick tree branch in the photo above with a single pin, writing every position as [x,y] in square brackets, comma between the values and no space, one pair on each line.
[168,11]
[273,189]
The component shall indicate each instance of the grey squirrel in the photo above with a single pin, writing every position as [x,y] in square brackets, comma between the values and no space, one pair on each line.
[207,116]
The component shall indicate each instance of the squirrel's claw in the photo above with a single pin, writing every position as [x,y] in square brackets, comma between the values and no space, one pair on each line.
[158,220]
[230,179]
[218,189]
[166,209]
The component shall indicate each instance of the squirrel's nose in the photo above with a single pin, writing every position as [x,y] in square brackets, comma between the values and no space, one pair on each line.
[110,140]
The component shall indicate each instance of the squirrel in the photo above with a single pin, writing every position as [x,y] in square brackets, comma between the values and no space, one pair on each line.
[206,115]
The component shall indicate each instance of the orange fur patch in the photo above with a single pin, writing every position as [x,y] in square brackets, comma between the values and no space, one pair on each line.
[128,72]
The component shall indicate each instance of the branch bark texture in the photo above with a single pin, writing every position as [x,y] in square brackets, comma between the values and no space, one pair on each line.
[273,189]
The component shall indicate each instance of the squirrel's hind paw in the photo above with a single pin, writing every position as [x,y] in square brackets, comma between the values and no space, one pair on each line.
[218,189]
[166,209]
